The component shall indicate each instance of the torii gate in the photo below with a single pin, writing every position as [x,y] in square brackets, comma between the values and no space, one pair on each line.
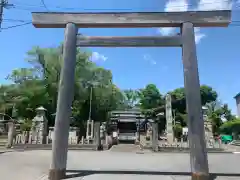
[185,20]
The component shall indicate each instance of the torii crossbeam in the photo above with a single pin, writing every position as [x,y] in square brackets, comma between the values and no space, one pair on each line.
[185,20]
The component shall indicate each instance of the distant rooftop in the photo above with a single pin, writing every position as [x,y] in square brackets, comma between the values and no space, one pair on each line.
[237,95]
[131,111]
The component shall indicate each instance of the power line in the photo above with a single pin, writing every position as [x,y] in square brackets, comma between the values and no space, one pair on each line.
[16,20]
[3,4]
[234,23]
[44,5]
[19,25]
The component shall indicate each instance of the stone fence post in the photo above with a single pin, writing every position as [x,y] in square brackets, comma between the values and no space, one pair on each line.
[97,138]
[11,133]
[155,136]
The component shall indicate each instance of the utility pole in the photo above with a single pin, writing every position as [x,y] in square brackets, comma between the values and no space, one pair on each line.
[3,4]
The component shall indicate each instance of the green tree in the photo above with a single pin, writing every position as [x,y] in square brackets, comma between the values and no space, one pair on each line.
[150,97]
[38,85]
[208,94]
[179,99]
[131,97]
[231,127]
[214,114]
[177,130]
[218,113]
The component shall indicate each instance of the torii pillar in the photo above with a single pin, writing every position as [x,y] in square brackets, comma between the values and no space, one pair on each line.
[65,97]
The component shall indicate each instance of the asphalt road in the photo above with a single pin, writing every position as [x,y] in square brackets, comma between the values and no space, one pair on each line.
[106,165]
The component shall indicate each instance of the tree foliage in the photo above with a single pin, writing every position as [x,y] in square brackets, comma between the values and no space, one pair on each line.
[131,97]
[37,85]
[231,127]
[150,97]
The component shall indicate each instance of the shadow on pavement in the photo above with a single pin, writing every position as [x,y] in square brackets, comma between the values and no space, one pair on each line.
[82,173]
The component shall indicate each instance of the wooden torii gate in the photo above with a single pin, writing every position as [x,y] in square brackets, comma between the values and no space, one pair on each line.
[185,20]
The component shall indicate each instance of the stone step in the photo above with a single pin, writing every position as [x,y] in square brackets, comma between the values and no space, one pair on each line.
[3,137]
[3,144]
[3,141]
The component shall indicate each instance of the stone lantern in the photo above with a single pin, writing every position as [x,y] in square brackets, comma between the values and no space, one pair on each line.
[41,111]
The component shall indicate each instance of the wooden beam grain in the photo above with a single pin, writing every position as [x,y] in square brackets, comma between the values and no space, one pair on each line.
[145,41]
[219,18]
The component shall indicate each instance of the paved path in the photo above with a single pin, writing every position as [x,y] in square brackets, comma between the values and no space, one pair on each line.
[106,165]
[125,148]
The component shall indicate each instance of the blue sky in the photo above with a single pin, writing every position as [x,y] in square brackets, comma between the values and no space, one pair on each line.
[217,48]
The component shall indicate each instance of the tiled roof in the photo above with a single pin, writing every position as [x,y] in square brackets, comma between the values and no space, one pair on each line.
[238,94]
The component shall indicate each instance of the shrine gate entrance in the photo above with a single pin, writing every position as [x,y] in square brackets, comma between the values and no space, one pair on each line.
[186,40]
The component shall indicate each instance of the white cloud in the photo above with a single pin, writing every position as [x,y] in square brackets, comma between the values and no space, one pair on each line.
[148,58]
[176,5]
[171,6]
[98,57]
[179,5]
[166,31]
[198,35]
[205,5]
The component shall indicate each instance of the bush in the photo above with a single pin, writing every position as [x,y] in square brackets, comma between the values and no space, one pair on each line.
[26,125]
[230,127]
[177,130]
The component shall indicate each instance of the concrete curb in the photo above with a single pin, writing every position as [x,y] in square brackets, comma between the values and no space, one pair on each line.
[49,147]
[182,152]
[237,152]
[142,151]
[186,150]
[36,147]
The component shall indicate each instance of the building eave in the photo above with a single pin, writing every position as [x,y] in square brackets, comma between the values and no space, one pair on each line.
[237,95]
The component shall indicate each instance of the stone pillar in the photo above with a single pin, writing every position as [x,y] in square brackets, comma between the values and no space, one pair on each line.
[169,119]
[40,124]
[155,136]
[237,98]
[3,128]
[11,133]
[138,124]
[90,127]
[97,139]
[103,132]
